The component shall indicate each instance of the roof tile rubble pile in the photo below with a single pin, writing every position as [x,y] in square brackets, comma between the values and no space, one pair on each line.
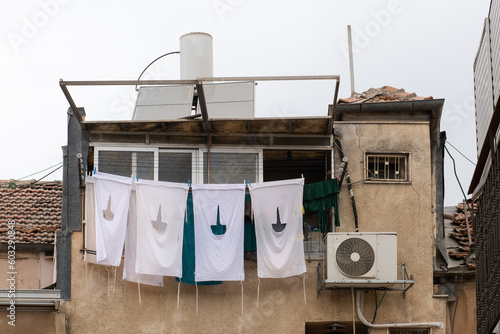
[383,94]
[460,233]
[36,210]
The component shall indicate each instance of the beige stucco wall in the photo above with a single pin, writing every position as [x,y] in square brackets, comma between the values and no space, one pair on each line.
[42,322]
[465,317]
[33,268]
[406,209]
[281,309]
[27,267]
[33,271]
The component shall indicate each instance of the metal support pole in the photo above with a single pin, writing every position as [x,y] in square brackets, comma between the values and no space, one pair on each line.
[403,276]
[351,61]
[467,223]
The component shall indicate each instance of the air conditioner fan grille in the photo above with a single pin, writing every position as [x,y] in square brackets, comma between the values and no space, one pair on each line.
[355,257]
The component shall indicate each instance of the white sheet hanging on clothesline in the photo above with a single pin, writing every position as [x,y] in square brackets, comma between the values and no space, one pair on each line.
[112,195]
[277,210]
[129,273]
[89,254]
[160,227]
[219,231]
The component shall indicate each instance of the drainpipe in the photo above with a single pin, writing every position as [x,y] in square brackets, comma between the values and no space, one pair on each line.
[359,307]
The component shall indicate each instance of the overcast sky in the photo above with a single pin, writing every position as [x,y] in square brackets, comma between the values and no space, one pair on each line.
[427,47]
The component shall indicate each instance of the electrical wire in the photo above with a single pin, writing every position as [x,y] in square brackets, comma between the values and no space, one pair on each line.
[376,308]
[24,177]
[472,162]
[32,183]
[458,180]
[151,63]
[469,256]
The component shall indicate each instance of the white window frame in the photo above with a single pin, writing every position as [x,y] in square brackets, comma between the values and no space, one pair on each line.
[406,155]
[97,149]
[260,164]
[197,157]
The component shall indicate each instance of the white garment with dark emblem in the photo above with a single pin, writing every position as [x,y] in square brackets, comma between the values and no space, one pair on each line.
[219,230]
[160,227]
[112,195]
[277,210]
[129,273]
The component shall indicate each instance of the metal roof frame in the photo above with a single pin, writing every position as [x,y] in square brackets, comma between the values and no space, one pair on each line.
[199,85]
[316,131]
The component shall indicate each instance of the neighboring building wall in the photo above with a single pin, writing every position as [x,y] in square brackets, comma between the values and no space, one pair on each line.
[465,313]
[27,268]
[487,233]
[35,208]
[486,179]
[34,322]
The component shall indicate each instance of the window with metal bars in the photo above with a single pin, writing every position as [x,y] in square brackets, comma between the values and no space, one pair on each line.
[387,167]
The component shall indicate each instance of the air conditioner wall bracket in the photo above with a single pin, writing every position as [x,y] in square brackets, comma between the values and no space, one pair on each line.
[363,284]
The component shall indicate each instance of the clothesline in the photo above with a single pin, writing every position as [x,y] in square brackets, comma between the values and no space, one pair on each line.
[219,215]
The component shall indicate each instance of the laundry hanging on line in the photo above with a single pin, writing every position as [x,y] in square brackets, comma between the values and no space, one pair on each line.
[129,261]
[220,221]
[278,225]
[160,227]
[219,231]
[112,196]
[188,248]
[320,197]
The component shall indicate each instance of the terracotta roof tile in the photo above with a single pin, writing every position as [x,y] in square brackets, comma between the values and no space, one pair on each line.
[383,94]
[460,232]
[35,209]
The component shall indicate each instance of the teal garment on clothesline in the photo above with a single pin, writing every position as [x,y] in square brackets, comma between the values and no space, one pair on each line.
[250,240]
[188,259]
[320,197]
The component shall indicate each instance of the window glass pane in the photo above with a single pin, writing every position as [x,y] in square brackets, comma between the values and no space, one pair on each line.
[115,162]
[175,167]
[230,167]
[145,165]
[126,163]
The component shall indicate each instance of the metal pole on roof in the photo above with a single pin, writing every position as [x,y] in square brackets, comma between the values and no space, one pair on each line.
[351,61]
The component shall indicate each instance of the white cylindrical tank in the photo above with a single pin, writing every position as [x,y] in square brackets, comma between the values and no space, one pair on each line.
[196,56]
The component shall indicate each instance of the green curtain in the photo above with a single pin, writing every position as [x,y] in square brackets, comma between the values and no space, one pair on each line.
[320,197]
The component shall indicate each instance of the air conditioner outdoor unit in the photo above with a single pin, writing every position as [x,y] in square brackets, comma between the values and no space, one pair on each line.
[361,256]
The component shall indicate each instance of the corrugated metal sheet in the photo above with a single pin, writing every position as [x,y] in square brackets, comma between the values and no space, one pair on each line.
[494,18]
[483,89]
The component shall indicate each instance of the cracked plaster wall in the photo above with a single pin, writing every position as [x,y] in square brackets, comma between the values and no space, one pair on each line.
[388,207]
